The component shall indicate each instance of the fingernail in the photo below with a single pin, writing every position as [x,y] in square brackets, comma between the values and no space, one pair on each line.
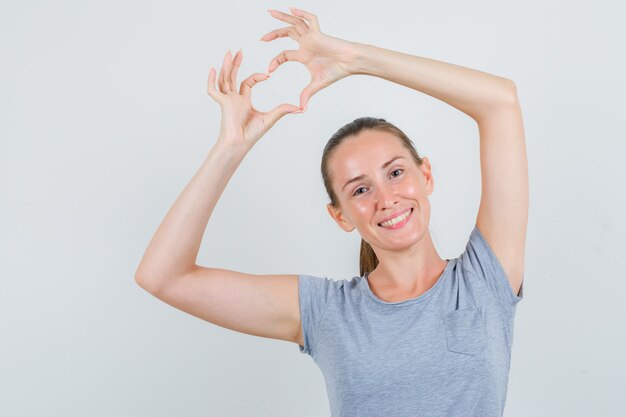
[269,74]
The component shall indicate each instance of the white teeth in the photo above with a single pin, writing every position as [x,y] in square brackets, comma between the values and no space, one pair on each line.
[396,219]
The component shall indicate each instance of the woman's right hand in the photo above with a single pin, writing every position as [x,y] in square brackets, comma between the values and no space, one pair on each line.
[241,125]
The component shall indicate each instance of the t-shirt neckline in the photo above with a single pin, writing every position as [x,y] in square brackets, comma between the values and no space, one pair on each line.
[419,298]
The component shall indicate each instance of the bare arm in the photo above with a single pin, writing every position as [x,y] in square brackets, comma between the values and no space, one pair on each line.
[260,305]
[492,102]
[329,59]
[488,99]
[473,92]
[173,250]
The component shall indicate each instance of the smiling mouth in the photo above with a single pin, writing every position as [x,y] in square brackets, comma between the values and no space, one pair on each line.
[398,220]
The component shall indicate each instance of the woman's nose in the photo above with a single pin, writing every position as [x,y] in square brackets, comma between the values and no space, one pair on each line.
[385,196]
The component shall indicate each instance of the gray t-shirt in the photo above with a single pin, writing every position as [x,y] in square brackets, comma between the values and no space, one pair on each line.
[445,353]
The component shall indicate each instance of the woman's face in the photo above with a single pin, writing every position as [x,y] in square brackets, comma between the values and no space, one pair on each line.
[387,187]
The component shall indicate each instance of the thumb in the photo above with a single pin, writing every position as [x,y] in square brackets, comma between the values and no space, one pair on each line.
[306,95]
[280,111]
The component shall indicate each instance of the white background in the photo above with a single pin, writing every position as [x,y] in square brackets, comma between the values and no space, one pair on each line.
[104,118]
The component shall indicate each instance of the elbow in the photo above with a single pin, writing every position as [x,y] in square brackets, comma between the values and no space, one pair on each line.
[141,282]
[509,93]
[154,282]
[145,283]
[502,98]
[139,276]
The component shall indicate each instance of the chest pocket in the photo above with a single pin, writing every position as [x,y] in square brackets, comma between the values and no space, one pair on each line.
[465,331]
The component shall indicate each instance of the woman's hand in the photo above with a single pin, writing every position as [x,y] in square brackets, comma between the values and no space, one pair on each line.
[242,125]
[328,59]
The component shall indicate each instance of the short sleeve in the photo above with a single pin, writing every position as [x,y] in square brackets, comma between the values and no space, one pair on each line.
[480,260]
[314,295]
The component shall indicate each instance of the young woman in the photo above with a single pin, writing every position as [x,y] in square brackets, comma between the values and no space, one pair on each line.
[414,334]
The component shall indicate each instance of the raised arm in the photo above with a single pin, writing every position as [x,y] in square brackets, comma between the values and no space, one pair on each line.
[488,99]
[175,245]
[260,305]
[493,103]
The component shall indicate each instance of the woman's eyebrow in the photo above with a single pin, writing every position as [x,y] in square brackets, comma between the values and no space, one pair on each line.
[360,177]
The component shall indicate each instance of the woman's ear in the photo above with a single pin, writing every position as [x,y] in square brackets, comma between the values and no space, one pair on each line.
[338,217]
[428,175]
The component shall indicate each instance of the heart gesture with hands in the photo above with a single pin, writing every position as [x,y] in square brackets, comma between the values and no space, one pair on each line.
[328,59]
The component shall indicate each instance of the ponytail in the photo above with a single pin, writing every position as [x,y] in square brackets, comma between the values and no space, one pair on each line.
[368,259]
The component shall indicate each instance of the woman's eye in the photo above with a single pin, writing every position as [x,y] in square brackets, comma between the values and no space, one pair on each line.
[395,170]
[356,191]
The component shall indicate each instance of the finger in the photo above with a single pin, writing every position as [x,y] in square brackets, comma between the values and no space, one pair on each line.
[299,24]
[224,78]
[233,73]
[216,95]
[279,33]
[310,18]
[251,81]
[284,56]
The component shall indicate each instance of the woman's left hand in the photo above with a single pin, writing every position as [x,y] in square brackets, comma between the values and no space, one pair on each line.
[327,58]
